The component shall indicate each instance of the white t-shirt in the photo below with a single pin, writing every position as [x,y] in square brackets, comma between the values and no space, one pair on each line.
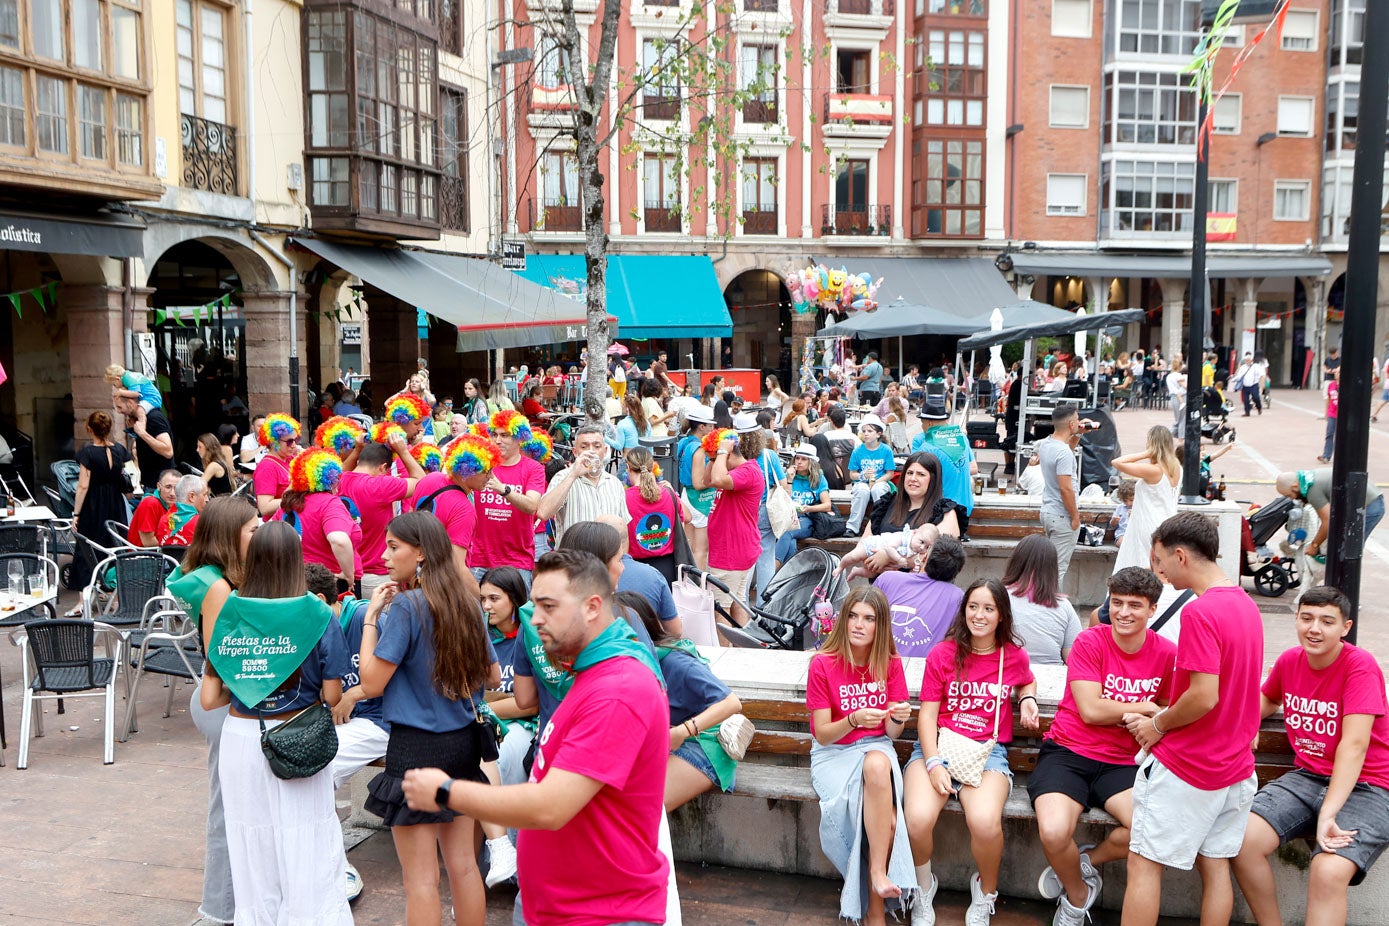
[1175,387]
[250,443]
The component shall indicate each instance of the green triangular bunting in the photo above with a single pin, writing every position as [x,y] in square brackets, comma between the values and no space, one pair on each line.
[14,301]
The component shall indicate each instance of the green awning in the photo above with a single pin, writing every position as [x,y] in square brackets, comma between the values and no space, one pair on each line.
[651,295]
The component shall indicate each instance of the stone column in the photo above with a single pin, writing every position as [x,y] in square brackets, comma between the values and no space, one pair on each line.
[1173,308]
[96,338]
[267,352]
[1246,315]
[394,344]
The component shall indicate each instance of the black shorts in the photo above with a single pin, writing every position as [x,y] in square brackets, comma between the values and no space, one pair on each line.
[1088,782]
[1290,806]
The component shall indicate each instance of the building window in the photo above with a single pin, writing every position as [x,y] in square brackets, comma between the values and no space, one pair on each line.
[560,195]
[1347,34]
[9,23]
[330,108]
[759,196]
[51,114]
[88,43]
[661,192]
[11,106]
[91,116]
[1159,27]
[958,77]
[1150,196]
[1224,196]
[1071,19]
[125,43]
[451,26]
[1291,200]
[331,181]
[130,130]
[1300,30]
[1342,115]
[553,69]
[661,93]
[202,60]
[453,211]
[1225,115]
[956,8]
[1149,108]
[853,71]
[1070,107]
[1296,115]
[46,25]
[953,188]
[1065,194]
[758,75]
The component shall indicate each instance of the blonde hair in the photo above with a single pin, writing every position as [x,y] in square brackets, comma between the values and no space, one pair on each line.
[114,372]
[642,465]
[881,653]
[1163,450]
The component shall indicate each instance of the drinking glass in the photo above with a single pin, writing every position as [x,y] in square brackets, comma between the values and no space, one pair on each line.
[16,574]
[37,585]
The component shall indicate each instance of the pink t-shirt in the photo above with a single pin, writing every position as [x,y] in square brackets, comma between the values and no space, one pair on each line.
[506,537]
[375,497]
[844,688]
[603,866]
[1126,677]
[323,514]
[452,506]
[651,532]
[1316,701]
[970,701]
[1222,635]
[271,476]
[734,540]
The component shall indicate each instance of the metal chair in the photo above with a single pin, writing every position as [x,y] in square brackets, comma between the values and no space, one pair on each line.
[22,538]
[138,582]
[120,535]
[170,646]
[59,505]
[60,662]
[15,486]
[34,565]
[188,469]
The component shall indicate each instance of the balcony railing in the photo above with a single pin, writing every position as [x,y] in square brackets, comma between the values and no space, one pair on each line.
[559,218]
[760,220]
[660,217]
[660,107]
[856,220]
[862,7]
[453,202]
[760,111]
[209,155]
[858,109]
[759,6]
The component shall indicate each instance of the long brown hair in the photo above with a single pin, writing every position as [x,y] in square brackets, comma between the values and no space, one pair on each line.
[959,630]
[274,562]
[1163,452]
[884,648]
[1033,572]
[641,464]
[631,402]
[217,541]
[898,513]
[460,640]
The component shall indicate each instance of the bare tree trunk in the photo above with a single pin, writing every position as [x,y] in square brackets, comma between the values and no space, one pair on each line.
[596,261]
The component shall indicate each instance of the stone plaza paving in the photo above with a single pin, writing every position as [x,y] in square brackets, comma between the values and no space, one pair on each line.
[83,843]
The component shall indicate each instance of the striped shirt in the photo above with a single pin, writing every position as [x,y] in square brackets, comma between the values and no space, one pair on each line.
[587,500]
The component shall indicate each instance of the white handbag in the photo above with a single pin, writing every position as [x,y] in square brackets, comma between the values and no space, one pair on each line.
[781,511]
[965,758]
[695,605]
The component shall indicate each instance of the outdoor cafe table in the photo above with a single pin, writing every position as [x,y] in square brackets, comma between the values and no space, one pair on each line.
[30,514]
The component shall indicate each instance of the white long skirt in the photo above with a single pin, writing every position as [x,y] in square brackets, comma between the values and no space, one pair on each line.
[283,837]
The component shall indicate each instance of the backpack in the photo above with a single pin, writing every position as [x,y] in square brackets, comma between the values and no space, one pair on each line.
[427,503]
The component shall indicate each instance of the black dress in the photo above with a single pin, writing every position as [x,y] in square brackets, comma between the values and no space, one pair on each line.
[881,525]
[105,499]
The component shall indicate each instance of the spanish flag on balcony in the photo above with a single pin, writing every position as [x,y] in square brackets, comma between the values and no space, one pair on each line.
[1220,226]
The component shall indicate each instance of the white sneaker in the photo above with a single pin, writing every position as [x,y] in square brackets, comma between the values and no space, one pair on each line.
[981,905]
[1069,915]
[1049,885]
[354,883]
[923,913]
[501,864]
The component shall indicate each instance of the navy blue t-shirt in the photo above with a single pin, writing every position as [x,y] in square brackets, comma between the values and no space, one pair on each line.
[508,651]
[328,659]
[407,642]
[691,686]
[647,581]
[355,613]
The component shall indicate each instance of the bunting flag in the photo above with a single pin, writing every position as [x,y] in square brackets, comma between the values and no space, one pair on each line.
[208,312]
[1202,65]
[45,295]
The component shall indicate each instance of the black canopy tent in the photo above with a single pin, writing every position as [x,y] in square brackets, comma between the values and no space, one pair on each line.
[1075,324]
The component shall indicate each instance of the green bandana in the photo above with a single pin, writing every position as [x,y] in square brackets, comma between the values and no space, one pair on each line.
[724,765]
[258,643]
[1305,478]
[177,518]
[191,589]
[556,681]
[617,639]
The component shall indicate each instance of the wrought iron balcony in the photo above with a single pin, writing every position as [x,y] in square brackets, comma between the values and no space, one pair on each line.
[660,217]
[856,220]
[760,220]
[760,111]
[557,218]
[209,155]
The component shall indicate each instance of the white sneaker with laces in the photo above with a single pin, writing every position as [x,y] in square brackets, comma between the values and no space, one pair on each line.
[1049,885]
[354,883]
[923,912]
[1069,915]
[501,861]
[981,905]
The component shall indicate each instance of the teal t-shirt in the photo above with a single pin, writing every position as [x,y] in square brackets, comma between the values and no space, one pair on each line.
[870,464]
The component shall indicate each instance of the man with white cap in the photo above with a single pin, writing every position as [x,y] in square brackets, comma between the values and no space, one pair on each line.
[948,443]
[871,467]
[735,541]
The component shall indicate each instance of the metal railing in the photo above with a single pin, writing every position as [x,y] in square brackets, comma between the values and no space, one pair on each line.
[760,111]
[759,6]
[660,217]
[209,155]
[856,220]
[558,218]
[453,202]
[760,220]
[862,7]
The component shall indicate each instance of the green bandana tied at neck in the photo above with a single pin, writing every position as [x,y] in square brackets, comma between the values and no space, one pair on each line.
[1305,478]
[725,766]
[190,590]
[258,643]
[177,518]
[617,640]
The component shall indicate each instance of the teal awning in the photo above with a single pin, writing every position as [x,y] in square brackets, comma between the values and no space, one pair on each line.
[651,295]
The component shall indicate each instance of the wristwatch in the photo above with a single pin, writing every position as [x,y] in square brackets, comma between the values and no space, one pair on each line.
[441,796]
[506,491]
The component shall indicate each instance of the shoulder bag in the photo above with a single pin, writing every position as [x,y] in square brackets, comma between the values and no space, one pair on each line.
[301,746]
[781,510]
[965,758]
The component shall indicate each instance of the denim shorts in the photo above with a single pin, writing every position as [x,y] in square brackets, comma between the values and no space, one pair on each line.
[693,753]
[1290,805]
[997,761]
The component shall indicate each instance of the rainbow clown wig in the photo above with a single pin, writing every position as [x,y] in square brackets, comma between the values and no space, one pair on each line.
[511,423]
[406,408]
[428,456]
[478,429]
[538,447]
[382,431]
[468,456]
[338,434]
[714,438]
[315,470]
[275,428]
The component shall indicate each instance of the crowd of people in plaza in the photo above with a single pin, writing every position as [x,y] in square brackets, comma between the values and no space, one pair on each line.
[495,625]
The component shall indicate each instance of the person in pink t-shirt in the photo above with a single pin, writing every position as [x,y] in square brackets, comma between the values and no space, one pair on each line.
[590,816]
[735,541]
[654,509]
[1192,793]
[1332,697]
[856,693]
[1087,757]
[506,504]
[311,505]
[279,434]
[960,692]
[447,494]
[375,492]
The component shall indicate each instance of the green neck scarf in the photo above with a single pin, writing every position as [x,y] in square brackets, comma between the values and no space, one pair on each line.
[725,767]
[258,643]
[190,589]
[1305,479]
[617,639]
[177,517]
[556,681]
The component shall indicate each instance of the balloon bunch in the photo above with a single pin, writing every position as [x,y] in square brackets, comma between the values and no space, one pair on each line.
[315,470]
[338,434]
[838,292]
[428,456]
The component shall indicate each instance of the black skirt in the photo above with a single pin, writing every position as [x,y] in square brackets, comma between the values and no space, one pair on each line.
[458,752]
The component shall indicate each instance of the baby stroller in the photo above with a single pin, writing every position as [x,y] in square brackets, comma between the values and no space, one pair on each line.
[1215,417]
[1273,572]
[783,616]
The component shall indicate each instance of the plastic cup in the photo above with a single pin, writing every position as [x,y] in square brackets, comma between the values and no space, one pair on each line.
[37,586]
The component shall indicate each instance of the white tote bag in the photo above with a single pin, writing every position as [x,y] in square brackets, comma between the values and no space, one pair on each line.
[695,604]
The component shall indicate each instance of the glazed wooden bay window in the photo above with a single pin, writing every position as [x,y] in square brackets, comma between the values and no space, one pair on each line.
[72,85]
[559,192]
[373,101]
